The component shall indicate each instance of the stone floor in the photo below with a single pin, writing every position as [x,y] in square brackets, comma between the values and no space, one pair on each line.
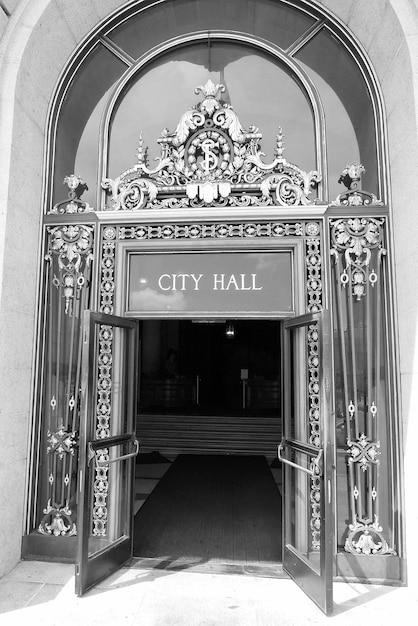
[38,593]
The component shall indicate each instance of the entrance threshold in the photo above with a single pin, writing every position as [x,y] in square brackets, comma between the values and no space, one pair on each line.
[266,570]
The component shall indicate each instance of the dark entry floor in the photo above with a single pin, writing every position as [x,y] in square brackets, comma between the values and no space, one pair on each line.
[212,508]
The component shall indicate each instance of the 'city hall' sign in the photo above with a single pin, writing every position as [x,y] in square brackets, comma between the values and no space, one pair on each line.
[210,283]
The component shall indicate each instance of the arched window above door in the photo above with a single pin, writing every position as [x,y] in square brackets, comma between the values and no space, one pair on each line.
[261,62]
[261,92]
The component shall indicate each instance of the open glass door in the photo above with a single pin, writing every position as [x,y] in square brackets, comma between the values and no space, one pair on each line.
[108,447]
[306,452]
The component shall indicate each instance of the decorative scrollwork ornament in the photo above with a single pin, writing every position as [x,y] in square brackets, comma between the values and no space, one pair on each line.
[353,240]
[210,159]
[365,537]
[355,195]
[74,204]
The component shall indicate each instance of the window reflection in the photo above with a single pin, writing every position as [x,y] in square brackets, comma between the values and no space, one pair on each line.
[260,90]
[326,57]
[268,19]
[81,109]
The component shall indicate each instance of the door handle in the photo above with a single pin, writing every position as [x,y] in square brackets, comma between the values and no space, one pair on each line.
[118,458]
[314,468]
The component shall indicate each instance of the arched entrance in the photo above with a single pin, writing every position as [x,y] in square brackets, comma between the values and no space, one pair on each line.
[345,230]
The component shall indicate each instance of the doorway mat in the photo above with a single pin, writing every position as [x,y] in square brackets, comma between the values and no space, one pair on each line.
[212,509]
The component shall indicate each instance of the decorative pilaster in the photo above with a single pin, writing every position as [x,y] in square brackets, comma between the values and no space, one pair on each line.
[358,250]
[69,259]
[314,431]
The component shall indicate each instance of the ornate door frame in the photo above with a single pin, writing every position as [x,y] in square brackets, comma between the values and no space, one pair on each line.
[200,196]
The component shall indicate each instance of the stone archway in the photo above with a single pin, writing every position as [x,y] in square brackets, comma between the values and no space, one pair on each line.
[45,29]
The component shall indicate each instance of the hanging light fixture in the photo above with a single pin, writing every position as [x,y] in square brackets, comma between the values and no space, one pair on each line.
[229,330]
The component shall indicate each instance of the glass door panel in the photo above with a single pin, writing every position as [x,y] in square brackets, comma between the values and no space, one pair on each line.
[107,447]
[306,453]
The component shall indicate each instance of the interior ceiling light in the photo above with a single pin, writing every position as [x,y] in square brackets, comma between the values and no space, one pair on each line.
[230,330]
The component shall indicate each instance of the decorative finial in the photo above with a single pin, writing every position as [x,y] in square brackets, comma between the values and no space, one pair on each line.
[279,144]
[142,151]
[351,176]
[355,195]
[210,90]
[76,186]
[73,204]
[212,95]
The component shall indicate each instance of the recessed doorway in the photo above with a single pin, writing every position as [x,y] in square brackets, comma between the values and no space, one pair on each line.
[208,487]
[210,387]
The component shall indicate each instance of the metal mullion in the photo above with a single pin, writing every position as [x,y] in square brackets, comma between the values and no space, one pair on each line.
[83,300]
[117,51]
[391,424]
[131,395]
[76,304]
[57,369]
[39,406]
[350,329]
[339,312]
[393,427]
[305,38]
[70,472]
[375,502]
[62,503]
[49,349]
[78,366]
[369,495]
[54,483]
[359,484]
[369,360]
[377,355]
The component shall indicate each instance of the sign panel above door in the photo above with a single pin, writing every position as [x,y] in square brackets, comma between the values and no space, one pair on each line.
[214,282]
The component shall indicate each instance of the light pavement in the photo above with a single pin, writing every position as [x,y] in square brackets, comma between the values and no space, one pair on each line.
[37,593]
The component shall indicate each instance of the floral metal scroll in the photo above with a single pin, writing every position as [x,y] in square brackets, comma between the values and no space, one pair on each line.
[69,256]
[359,269]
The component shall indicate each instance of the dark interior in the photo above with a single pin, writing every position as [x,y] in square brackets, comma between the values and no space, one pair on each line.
[209,411]
[217,367]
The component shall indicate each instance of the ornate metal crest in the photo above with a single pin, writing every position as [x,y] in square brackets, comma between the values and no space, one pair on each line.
[355,195]
[355,238]
[366,537]
[61,442]
[72,244]
[73,204]
[210,159]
